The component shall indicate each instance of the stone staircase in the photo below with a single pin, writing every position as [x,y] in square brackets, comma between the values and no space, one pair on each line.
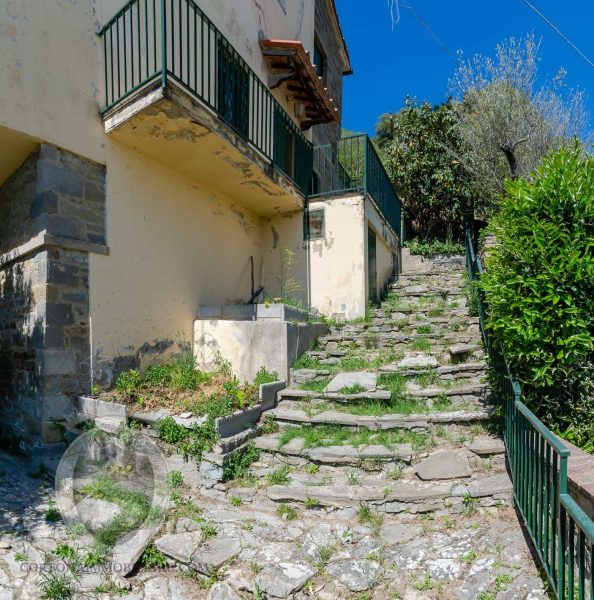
[395,411]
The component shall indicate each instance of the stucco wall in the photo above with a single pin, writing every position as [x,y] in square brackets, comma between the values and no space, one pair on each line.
[51,73]
[173,246]
[337,262]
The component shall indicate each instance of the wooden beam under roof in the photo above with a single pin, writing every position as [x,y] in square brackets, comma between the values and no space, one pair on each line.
[290,64]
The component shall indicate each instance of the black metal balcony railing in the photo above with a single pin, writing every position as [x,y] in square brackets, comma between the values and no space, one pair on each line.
[353,165]
[173,40]
[148,40]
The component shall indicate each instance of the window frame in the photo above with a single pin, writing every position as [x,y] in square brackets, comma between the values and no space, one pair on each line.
[308,236]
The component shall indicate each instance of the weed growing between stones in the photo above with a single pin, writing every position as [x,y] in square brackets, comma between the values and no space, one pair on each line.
[54,586]
[238,465]
[367,516]
[353,389]
[152,558]
[315,386]
[311,503]
[279,476]
[175,479]
[284,511]
[421,345]
[135,508]
[235,501]
[52,514]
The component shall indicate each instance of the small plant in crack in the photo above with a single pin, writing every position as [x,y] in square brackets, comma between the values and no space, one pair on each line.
[311,503]
[175,479]
[279,476]
[152,558]
[470,504]
[286,512]
[367,516]
[352,478]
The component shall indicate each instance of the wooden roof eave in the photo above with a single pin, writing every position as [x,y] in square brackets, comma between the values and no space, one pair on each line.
[290,64]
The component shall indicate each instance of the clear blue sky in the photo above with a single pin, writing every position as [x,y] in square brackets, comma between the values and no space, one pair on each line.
[390,63]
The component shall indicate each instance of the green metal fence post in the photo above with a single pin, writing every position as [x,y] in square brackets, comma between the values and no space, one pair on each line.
[164,43]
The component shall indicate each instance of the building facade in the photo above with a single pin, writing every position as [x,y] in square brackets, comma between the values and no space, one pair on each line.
[156,156]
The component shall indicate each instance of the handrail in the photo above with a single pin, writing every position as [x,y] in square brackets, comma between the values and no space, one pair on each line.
[352,164]
[173,40]
[561,532]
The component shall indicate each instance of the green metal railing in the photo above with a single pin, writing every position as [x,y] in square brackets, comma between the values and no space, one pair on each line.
[353,165]
[173,40]
[562,533]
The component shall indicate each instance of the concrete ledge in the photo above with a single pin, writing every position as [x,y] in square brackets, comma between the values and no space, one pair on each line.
[43,240]
[252,312]
[93,408]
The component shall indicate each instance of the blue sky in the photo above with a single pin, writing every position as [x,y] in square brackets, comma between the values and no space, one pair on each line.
[390,63]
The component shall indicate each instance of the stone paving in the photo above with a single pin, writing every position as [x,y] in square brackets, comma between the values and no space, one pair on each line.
[424,514]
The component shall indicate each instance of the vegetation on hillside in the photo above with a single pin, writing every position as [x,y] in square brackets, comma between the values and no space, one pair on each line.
[539,284]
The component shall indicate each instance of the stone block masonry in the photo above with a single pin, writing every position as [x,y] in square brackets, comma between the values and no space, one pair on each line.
[52,214]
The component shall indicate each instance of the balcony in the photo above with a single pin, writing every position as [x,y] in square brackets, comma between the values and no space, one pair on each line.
[353,166]
[177,91]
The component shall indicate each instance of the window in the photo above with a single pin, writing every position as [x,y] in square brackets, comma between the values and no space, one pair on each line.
[315,224]
[319,59]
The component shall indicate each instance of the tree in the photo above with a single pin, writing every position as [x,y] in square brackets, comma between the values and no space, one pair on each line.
[508,122]
[423,149]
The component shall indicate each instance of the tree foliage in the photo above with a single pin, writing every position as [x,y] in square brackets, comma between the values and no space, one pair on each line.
[508,120]
[539,285]
[423,149]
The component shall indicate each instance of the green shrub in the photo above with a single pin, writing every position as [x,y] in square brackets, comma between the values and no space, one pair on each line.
[539,286]
[265,376]
[128,382]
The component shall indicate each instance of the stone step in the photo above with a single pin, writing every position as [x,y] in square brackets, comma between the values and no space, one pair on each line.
[290,412]
[297,394]
[429,291]
[336,455]
[400,496]
[479,390]
[447,372]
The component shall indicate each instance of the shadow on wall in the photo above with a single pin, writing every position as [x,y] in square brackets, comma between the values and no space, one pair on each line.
[21,338]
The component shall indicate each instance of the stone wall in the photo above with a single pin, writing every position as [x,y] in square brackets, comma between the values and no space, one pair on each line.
[333,72]
[52,214]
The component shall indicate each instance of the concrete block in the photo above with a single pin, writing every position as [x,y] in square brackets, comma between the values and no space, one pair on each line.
[250,345]
[92,408]
[237,422]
